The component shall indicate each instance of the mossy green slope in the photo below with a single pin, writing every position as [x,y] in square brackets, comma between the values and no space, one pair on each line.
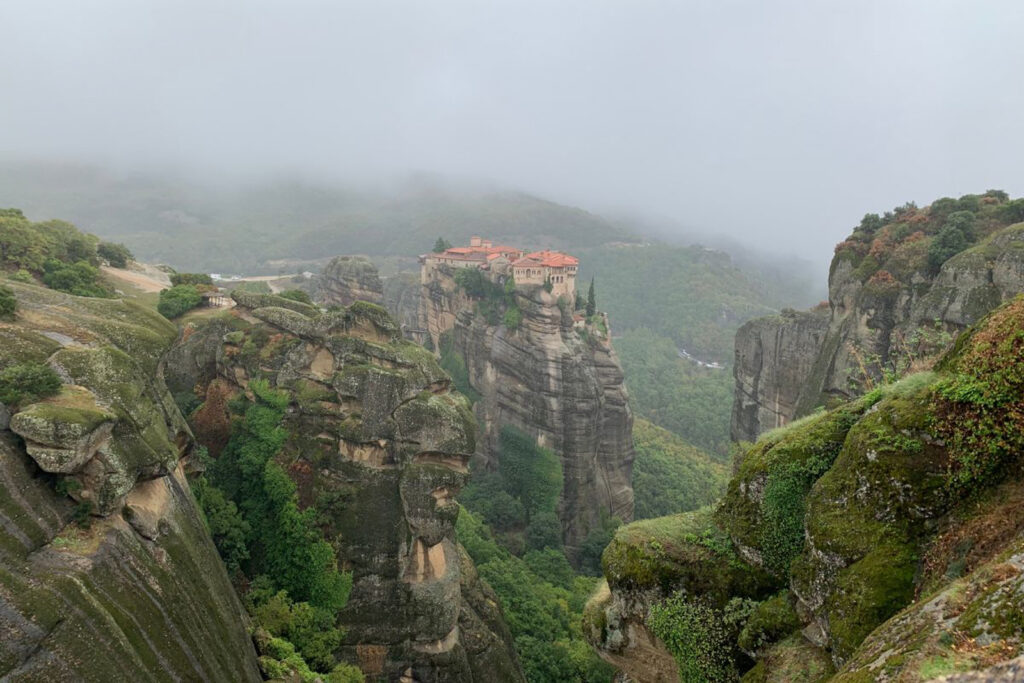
[146,599]
[890,522]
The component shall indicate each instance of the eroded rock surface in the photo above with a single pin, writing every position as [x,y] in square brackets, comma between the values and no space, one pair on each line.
[562,387]
[134,590]
[379,443]
[347,279]
[787,366]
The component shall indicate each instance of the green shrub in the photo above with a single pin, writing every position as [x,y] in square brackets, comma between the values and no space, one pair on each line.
[178,300]
[772,620]
[28,382]
[190,279]
[79,278]
[513,318]
[296,295]
[700,637]
[980,408]
[8,304]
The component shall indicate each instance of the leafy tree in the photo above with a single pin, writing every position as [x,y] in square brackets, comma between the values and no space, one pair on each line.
[596,541]
[191,279]
[285,543]
[227,527]
[68,243]
[513,318]
[8,303]
[21,245]
[550,565]
[115,253]
[27,382]
[948,243]
[591,300]
[441,245]
[312,631]
[1011,212]
[544,531]
[296,295]
[177,300]
[531,473]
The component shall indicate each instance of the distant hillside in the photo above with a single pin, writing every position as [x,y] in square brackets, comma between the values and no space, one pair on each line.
[665,300]
[696,297]
[670,475]
[251,228]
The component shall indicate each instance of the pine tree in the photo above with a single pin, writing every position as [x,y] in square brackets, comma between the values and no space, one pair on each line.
[441,244]
[591,300]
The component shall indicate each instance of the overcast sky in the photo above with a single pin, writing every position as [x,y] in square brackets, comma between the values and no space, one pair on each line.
[780,123]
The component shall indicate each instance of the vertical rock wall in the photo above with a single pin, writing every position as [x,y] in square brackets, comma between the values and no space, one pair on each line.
[561,385]
[787,366]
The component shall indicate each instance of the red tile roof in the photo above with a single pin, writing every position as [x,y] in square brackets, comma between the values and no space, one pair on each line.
[549,259]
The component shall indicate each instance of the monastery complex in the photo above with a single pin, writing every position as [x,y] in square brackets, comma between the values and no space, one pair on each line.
[535,268]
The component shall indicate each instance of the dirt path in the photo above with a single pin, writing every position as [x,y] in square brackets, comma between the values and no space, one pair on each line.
[138,280]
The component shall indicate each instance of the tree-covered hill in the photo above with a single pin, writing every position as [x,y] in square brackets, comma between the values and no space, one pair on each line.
[253,227]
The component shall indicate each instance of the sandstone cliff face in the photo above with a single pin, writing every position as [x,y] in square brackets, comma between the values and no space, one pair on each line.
[787,367]
[549,381]
[379,443]
[774,357]
[402,299]
[347,279]
[140,592]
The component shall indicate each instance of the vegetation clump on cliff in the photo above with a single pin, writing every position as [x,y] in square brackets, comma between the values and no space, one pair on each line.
[909,239]
[295,587]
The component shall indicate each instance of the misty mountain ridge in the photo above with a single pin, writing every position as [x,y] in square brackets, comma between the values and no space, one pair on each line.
[245,227]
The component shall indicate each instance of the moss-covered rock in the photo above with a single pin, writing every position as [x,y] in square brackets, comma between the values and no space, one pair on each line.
[98,599]
[764,506]
[792,659]
[772,620]
[686,552]
[866,520]
[62,434]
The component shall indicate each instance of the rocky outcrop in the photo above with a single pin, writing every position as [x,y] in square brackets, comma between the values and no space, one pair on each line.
[889,525]
[887,310]
[774,357]
[347,279]
[378,443]
[402,297]
[558,383]
[107,570]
